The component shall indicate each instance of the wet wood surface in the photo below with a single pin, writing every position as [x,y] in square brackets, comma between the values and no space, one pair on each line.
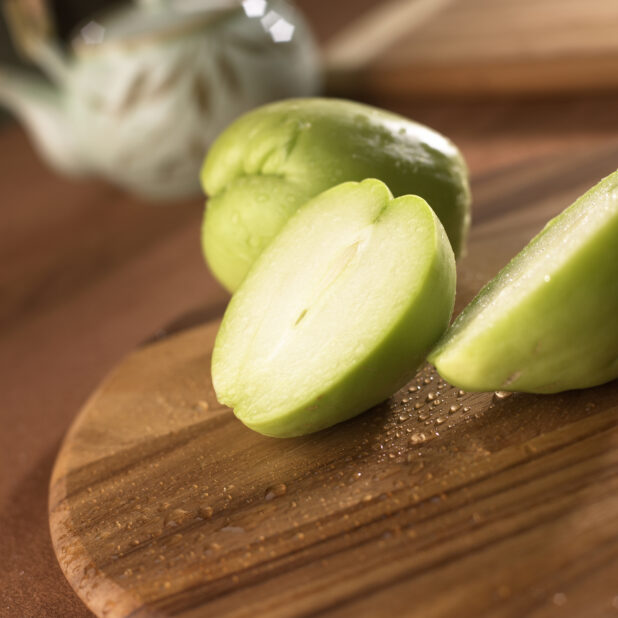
[163,504]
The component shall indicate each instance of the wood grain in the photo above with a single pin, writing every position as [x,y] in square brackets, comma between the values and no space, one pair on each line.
[436,503]
[477,47]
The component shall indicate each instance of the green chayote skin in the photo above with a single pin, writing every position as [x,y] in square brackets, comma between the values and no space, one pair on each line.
[548,322]
[275,158]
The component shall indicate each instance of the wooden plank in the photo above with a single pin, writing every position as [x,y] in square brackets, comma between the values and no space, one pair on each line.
[477,47]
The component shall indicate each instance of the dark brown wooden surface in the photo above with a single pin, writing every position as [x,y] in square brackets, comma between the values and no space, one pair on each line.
[87,274]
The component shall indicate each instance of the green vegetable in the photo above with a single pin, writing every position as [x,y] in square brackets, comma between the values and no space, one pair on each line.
[337,313]
[549,321]
[272,160]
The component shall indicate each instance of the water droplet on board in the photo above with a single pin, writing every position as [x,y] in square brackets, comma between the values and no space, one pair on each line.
[176,517]
[418,405]
[431,396]
[275,491]
[233,529]
[559,599]
[418,438]
[499,395]
[454,408]
[460,393]
[440,420]
[205,512]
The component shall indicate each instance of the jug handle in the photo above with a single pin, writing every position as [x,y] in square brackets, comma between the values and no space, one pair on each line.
[33,32]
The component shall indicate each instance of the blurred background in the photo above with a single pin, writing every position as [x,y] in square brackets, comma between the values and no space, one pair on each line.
[67,16]
[477,58]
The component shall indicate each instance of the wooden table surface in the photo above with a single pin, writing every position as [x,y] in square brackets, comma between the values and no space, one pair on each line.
[87,273]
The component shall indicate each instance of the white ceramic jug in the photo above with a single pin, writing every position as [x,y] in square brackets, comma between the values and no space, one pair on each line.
[145,89]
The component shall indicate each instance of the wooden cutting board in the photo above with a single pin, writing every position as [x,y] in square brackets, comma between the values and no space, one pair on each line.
[477,48]
[435,503]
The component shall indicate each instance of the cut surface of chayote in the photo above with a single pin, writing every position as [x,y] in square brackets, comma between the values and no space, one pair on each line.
[548,322]
[338,311]
[270,161]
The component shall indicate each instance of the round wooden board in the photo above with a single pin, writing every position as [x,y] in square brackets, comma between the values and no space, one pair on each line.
[435,503]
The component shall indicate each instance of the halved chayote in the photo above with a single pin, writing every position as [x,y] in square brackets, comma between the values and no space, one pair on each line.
[338,311]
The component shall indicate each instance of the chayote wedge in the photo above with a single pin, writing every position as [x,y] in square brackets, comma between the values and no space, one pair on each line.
[548,322]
